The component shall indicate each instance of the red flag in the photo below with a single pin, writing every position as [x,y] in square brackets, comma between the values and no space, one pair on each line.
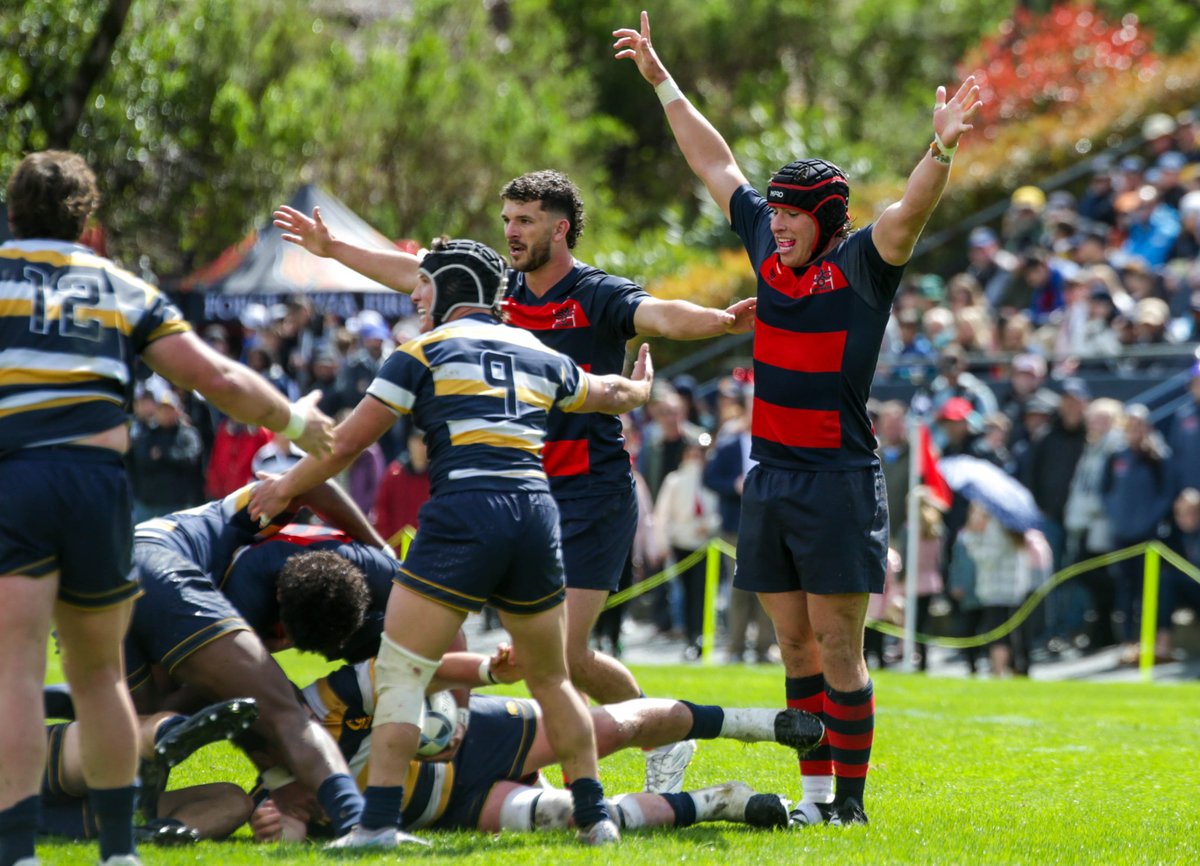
[931,477]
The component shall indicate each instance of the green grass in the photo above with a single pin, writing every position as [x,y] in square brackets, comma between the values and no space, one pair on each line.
[963,772]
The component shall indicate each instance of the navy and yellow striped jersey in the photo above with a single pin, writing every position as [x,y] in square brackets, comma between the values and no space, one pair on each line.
[482,392]
[588,316]
[71,327]
[817,337]
[344,703]
[209,535]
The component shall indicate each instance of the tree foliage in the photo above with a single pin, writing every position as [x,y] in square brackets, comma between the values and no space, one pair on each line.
[200,115]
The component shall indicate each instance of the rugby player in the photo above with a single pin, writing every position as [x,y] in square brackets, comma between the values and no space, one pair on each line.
[814,507]
[482,391]
[72,327]
[490,785]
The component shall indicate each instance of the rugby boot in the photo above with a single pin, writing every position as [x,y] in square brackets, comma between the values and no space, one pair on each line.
[383,837]
[666,765]
[601,833]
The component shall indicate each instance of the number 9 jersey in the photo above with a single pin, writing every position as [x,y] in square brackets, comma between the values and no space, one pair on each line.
[482,391]
[71,327]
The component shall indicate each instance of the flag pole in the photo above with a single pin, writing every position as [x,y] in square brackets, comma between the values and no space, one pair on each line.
[912,502]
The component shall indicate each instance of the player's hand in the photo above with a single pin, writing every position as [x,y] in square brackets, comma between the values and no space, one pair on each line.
[636,46]
[317,438]
[744,314]
[643,368]
[308,232]
[267,498]
[504,665]
[296,801]
[953,118]
[266,822]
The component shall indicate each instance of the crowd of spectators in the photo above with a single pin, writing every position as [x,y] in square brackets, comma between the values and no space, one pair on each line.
[996,359]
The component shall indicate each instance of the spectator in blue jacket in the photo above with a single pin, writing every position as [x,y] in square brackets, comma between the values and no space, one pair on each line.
[1136,491]
[1185,438]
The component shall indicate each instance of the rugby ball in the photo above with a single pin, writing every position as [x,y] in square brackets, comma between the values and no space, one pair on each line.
[437,723]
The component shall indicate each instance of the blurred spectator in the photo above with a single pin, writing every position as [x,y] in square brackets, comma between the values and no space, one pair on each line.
[1037,287]
[1072,337]
[973,330]
[665,440]
[1052,460]
[1028,373]
[1001,581]
[326,367]
[1022,227]
[953,381]
[996,430]
[1184,467]
[165,459]
[990,265]
[914,353]
[686,516]
[233,452]
[962,291]
[694,409]
[894,457]
[1087,525]
[1150,321]
[1095,205]
[1137,497]
[364,361]
[1170,187]
[939,327]
[1150,225]
[724,474]
[261,359]
[1040,409]
[1179,590]
[930,542]
[403,489]
[731,406]
[1016,334]
[1158,130]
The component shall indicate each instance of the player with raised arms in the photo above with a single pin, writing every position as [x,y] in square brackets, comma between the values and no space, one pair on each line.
[814,509]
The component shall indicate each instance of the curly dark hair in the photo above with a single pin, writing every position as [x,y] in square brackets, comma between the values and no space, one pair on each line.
[51,195]
[556,192]
[323,600]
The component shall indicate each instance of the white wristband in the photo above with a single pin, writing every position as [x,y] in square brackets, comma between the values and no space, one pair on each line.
[276,778]
[296,424]
[947,152]
[668,91]
[485,672]
[464,717]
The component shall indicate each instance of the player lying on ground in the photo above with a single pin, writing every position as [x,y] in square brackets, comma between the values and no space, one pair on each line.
[490,784]
[208,615]
[208,811]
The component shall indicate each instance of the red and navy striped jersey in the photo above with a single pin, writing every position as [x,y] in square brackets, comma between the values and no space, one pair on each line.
[816,342]
[588,316]
[482,392]
[251,581]
[71,327]
[209,535]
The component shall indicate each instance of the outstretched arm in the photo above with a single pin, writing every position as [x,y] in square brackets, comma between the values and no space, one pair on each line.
[394,268]
[613,395]
[705,150]
[683,320]
[896,232]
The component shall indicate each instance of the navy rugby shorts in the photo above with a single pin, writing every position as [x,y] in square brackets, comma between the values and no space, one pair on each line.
[182,610]
[597,535]
[487,547]
[820,532]
[67,509]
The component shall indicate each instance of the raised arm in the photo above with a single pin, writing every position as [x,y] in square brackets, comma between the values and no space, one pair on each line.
[896,232]
[393,268]
[703,147]
[613,395]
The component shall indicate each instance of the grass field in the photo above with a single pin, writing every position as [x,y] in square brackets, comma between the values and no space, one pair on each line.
[962,772]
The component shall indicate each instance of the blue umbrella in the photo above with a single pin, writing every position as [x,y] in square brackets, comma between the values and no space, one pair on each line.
[1003,496]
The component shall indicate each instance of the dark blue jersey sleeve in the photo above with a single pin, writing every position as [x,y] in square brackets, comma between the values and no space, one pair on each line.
[614,304]
[750,218]
[873,279]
